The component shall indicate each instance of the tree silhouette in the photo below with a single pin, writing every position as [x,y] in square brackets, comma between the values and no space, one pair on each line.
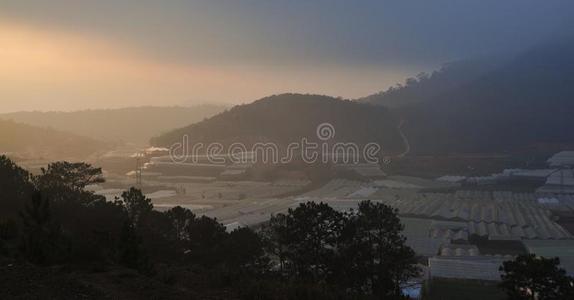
[15,188]
[206,238]
[39,232]
[244,251]
[180,218]
[75,176]
[131,251]
[136,205]
[314,231]
[358,252]
[323,253]
[276,239]
[307,238]
[65,182]
[375,256]
[534,277]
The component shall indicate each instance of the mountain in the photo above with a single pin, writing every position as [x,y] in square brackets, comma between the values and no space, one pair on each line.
[35,142]
[523,102]
[135,124]
[288,118]
[483,105]
[427,86]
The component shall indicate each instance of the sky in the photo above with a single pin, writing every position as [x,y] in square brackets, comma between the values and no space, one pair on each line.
[79,54]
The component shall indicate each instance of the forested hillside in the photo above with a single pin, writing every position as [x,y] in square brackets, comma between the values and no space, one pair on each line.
[427,86]
[523,102]
[289,118]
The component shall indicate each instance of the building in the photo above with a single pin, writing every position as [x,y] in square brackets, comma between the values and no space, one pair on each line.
[466,267]
[563,159]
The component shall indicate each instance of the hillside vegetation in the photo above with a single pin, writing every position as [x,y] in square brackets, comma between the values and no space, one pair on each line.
[289,118]
[525,102]
[51,221]
[427,86]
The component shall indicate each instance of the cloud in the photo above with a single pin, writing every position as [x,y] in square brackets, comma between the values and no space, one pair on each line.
[54,70]
[70,54]
[303,31]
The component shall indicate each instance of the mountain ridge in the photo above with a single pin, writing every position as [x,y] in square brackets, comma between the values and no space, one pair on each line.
[37,142]
[286,118]
[130,124]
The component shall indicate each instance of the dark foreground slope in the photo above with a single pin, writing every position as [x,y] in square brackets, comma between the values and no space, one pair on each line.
[26,281]
[134,124]
[289,118]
